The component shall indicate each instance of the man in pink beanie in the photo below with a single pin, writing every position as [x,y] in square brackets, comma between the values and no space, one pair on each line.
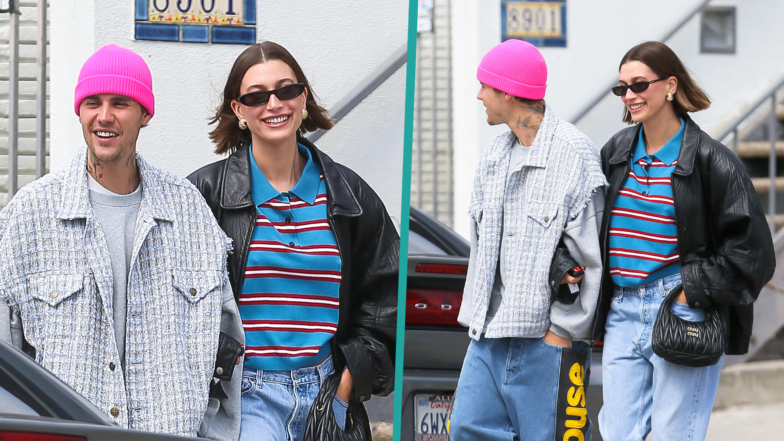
[538,185]
[116,272]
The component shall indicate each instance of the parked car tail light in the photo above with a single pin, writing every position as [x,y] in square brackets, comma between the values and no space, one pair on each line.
[29,436]
[433,307]
[441,268]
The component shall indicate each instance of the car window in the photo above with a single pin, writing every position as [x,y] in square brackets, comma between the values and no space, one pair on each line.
[419,245]
[9,404]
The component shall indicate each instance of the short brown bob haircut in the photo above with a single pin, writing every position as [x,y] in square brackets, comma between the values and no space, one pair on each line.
[664,63]
[227,136]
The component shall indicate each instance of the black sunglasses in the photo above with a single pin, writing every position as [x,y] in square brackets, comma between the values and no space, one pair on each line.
[637,87]
[261,97]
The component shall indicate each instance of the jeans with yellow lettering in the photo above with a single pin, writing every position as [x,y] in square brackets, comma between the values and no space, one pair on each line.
[643,392]
[509,389]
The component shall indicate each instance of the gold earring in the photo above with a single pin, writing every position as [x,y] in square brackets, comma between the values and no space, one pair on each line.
[243,124]
[304,113]
[669,96]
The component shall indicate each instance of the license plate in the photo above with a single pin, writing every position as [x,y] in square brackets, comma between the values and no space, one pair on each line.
[430,415]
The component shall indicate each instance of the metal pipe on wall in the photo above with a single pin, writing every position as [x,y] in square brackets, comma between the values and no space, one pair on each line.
[40,129]
[449,150]
[418,106]
[735,141]
[772,163]
[434,112]
[13,98]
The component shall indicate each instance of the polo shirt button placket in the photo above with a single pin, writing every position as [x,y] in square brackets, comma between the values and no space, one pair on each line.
[289,217]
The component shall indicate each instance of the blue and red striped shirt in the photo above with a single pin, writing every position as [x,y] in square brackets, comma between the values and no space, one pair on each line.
[643,235]
[289,299]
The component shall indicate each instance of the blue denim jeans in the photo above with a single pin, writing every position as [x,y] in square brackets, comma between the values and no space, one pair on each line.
[275,404]
[642,391]
[508,390]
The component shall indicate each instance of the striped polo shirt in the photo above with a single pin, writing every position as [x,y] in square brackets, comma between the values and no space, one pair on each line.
[643,236]
[289,299]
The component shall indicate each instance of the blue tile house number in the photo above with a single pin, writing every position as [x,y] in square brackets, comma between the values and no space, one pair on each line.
[196,21]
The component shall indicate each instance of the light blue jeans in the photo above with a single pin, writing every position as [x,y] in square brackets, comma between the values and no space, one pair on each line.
[508,390]
[275,404]
[642,391]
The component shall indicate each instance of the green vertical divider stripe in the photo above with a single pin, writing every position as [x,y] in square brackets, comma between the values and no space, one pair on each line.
[405,209]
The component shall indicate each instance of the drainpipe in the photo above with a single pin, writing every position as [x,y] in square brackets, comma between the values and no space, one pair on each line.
[13,96]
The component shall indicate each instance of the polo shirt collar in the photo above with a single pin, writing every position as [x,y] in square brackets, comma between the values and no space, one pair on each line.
[306,187]
[668,153]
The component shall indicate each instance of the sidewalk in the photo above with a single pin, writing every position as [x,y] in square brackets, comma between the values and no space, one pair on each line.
[750,402]
[747,422]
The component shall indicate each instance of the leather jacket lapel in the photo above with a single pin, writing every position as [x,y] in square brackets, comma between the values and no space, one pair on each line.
[341,200]
[691,141]
[236,191]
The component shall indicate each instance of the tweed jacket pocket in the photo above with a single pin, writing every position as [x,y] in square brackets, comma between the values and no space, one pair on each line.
[542,212]
[194,285]
[52,289]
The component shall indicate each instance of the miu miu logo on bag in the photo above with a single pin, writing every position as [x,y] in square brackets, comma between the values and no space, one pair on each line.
[692,332]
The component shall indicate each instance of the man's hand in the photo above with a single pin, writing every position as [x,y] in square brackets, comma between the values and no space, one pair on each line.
[346,386]
[569,279]
[554,339]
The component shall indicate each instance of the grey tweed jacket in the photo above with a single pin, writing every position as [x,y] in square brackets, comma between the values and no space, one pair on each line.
[555,183]
[55,272]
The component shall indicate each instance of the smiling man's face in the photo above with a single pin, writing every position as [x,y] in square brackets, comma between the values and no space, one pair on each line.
[111,124]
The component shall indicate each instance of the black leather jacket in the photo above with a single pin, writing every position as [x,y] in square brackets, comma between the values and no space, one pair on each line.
[724,242]
[369,249]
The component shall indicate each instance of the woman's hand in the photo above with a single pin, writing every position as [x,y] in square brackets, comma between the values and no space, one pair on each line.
[682,298]
[346,386]
[554,339]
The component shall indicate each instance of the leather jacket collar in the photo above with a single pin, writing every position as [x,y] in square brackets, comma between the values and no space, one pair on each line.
[236,186]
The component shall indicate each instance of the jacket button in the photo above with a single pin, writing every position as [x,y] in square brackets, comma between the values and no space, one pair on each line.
[361,398]
[192,291]
[288,221]
[219,371]
[111,366]
[547,219]
[53,294]
[114,412]
[552,283]
[697,304]
[291,244]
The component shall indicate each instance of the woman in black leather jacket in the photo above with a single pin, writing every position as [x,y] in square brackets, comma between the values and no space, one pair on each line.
[315,272]
[680,210]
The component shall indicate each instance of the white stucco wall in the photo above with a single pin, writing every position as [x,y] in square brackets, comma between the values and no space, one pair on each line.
[337,47]
[732,81]
[599,33]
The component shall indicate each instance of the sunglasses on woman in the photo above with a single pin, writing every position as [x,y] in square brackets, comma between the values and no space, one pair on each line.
[637,87]
[261,97]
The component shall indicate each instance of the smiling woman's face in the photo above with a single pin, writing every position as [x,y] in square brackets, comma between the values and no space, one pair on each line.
[647,104]
[277,121]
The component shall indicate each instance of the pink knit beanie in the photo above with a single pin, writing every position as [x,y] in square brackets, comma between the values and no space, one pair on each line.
[515,67]
[115,70]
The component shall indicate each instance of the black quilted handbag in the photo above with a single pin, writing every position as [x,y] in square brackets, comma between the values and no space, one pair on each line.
[321,425]
[686,343]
